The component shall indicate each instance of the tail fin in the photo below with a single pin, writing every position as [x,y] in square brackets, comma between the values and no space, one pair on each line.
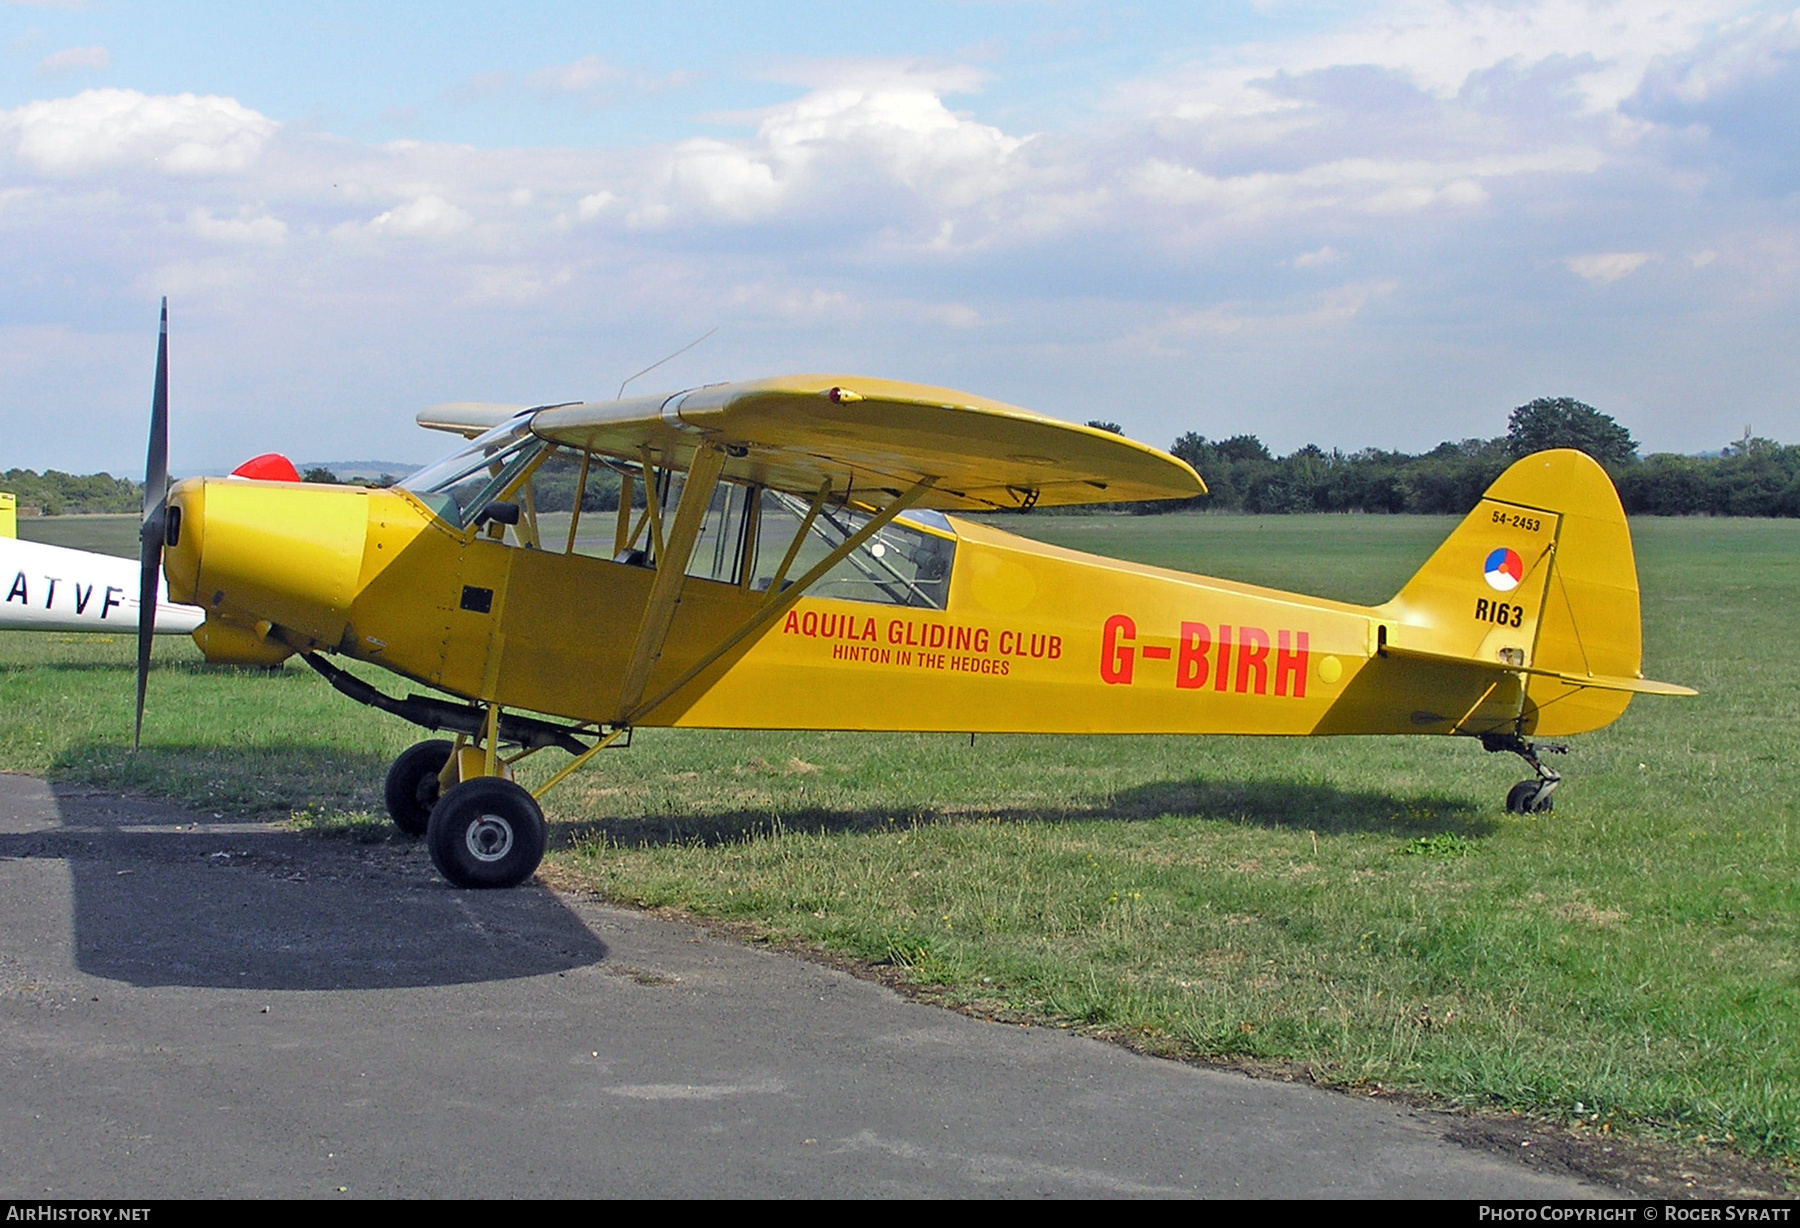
[1539,580]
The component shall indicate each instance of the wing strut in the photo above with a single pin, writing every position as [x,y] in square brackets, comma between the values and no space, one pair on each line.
[671,569]
[780,604]
[622,534]
[580,494]
[653,491]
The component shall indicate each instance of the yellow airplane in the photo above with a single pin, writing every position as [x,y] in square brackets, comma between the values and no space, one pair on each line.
[792,566]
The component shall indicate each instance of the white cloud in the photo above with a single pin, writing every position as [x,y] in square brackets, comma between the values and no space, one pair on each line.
[429,217]
[593,205]
[1363,185]
[1755,48]
[261,229]
[718,178]
[183,134]
[1324,255]
[75,59]
[1603,268]
[1439,44]
[894,133]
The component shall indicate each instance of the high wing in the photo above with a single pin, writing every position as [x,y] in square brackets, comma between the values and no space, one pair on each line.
[871,439]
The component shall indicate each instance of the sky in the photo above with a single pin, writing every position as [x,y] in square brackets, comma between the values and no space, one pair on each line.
[1357,224]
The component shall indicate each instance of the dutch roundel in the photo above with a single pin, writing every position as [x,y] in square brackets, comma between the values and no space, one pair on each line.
[1504,569]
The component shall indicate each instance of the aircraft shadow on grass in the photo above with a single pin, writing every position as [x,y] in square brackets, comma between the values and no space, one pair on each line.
[1289,805]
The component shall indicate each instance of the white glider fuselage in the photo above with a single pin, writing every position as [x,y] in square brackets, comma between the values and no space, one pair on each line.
[52,588]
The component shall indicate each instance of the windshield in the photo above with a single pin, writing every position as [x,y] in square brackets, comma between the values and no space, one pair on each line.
[467,480]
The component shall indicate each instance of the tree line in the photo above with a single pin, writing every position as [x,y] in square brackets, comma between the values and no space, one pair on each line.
[1751,476]
[54,493]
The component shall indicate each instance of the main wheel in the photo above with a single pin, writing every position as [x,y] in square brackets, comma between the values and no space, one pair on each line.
[486,832]
[412,785]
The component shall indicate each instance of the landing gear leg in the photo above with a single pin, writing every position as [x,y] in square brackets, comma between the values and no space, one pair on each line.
[1528,796]
[484,830]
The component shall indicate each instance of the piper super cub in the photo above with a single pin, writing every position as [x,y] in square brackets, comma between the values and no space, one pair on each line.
[790,565]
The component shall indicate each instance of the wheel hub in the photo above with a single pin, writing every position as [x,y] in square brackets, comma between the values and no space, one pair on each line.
[489,838]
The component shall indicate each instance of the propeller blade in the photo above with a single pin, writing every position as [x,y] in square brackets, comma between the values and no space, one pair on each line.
[150,535]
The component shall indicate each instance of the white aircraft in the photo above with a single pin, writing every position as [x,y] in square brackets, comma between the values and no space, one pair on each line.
[53,588]
[50,588]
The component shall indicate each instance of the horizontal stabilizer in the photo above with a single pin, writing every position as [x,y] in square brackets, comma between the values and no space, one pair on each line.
[1602,682]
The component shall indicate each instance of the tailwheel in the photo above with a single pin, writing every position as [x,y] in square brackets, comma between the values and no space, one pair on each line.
[486,832]
[412,785]
[1530,797]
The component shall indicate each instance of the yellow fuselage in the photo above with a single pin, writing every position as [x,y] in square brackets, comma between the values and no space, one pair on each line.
[1033,638]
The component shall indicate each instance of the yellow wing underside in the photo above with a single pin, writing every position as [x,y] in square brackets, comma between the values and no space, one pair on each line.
[871,439]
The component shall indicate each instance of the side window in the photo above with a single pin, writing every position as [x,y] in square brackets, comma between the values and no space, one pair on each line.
[719,550]
[602,530]
[560,483]
[903,564]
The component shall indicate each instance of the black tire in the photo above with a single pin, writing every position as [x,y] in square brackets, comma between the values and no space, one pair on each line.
[1529,797]
[486,832]
[412,785]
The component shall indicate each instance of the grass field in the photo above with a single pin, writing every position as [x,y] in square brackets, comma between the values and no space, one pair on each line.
[103,534]
[1363,909]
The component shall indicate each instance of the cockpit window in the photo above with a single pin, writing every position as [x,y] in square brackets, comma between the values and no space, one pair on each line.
[899,565]
[467,480]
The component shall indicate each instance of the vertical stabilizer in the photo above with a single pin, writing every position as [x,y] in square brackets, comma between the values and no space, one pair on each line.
[1540,575]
